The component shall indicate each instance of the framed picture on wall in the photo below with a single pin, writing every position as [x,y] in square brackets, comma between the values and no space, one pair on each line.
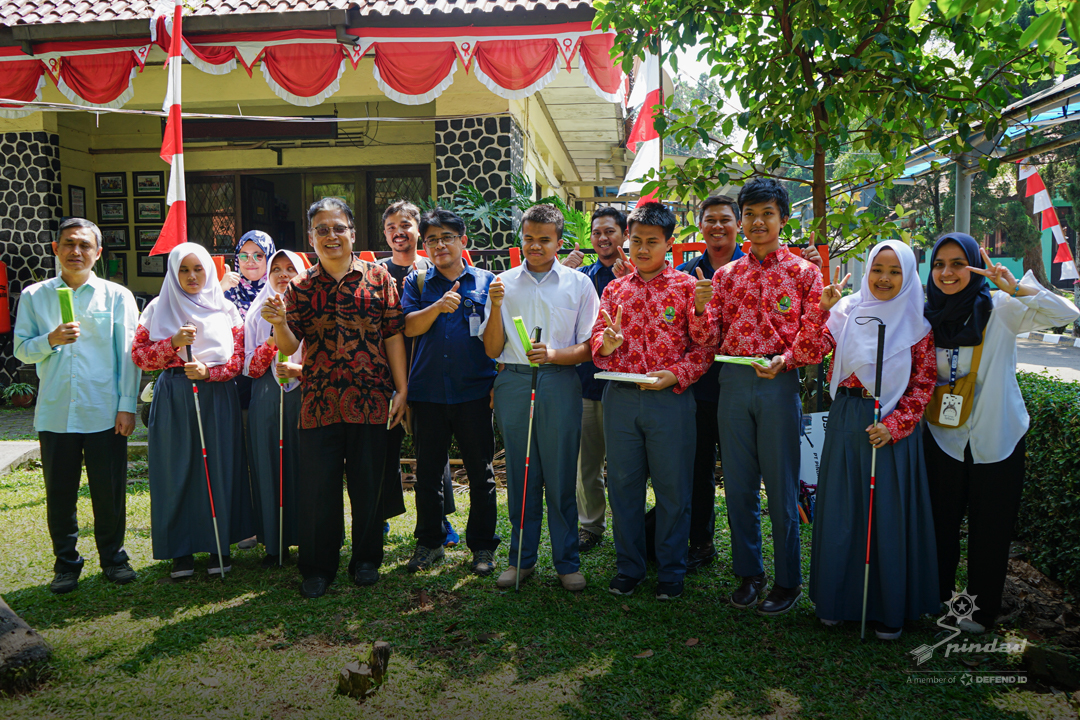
[116,237]
[148,183]
[76,201]
[111,184]
[149,211]
[145,237]
[116,268]
[151,265]
[112,211]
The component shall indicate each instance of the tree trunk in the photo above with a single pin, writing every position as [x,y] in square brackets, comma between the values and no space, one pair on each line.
[1033,261]
[24,655]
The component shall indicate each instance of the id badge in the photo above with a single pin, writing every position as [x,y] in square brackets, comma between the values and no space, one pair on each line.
[951,405]
[474,325]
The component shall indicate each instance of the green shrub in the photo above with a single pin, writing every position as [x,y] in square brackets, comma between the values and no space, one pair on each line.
[1050,510]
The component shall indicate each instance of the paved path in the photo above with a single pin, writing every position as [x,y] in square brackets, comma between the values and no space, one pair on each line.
[1062,361]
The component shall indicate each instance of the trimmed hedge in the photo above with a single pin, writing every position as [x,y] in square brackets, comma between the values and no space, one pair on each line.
[1050,511]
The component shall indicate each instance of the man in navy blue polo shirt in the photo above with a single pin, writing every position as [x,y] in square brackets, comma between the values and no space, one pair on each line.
[449,391]
[608,235]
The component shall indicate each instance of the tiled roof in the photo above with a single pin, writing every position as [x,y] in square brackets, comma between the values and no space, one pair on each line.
[46,12]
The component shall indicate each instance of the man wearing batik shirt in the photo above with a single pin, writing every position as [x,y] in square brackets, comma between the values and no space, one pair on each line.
[763,305]
[644,328]
[347,313]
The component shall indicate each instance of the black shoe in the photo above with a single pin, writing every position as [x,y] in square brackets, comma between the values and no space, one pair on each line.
[424,557]
[183,567]
[699,557]
[64,582]
[314,587]
[215,565]
[120,574]
[780,600]
[624,584]
[367,574]
[587,540]
[749,592]
[483,562]
[669,590]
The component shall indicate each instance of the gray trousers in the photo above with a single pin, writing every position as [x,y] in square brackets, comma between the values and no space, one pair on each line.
[649,430]
[556,435]
[591,500]
[759,423]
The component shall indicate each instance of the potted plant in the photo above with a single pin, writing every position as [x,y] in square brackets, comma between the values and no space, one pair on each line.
[19,394]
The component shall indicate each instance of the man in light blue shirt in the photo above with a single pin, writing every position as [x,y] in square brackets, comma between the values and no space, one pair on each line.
[86,399]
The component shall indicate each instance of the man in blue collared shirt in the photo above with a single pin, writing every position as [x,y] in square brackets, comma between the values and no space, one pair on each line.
[86,399]
[449,391]
[608,235]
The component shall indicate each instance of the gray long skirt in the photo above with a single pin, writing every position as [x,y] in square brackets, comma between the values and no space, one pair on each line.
[181,523]
[903,555]
[263,431]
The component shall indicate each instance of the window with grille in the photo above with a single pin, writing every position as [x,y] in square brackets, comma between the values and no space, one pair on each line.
[386,188]
[211,212]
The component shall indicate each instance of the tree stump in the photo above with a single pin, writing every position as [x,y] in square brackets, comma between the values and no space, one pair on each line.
[24,655]
[361,679]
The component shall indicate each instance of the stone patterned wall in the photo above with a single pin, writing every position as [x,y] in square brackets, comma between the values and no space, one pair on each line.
[481,152]
[30,210]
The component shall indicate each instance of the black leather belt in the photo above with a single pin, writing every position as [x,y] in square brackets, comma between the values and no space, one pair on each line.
[855,392]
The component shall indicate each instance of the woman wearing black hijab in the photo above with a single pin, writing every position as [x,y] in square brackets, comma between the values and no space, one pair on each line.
[976,464]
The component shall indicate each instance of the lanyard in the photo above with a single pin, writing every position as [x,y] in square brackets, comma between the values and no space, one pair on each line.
[954,361]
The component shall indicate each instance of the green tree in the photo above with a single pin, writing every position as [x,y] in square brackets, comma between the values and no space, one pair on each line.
[819,78]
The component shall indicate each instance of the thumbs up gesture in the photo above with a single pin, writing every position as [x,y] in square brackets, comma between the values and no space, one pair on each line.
[450,300]
[575,258]
[703,292]
[622,266]
[230,279]
[613,334]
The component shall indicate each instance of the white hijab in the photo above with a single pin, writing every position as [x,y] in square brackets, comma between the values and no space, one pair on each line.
[257,330]
[905,326]
[213,316]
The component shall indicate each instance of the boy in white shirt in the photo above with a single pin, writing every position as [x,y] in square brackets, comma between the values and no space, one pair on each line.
[562,302]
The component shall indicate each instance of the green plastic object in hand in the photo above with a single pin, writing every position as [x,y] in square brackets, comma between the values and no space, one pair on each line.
[282,357]
[67,305]
[523,335]
[759,361]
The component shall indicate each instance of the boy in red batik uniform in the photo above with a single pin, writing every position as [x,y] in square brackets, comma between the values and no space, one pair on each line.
[764,304]
[644,327]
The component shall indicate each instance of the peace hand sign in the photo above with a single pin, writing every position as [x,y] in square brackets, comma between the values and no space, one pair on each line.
[613,335]
[996,273]
[832,293]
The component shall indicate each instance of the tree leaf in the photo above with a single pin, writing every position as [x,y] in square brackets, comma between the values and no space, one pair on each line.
[692,642]
[1038,26]
[916,10]
[644,654]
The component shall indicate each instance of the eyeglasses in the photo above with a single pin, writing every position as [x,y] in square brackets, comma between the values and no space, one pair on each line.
[325,230]
[443,240]
[254,257]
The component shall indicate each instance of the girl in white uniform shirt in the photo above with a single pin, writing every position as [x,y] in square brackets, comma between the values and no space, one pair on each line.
[977,467]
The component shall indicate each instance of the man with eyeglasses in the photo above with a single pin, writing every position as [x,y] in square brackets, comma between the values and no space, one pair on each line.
[608,235]
[401,221]
[449,388]
[347,313]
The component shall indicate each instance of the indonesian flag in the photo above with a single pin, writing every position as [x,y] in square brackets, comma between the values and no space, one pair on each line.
[644,140]
[174,231]
[1037,188]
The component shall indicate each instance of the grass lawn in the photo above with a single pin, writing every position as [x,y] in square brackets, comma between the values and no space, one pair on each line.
[251,647]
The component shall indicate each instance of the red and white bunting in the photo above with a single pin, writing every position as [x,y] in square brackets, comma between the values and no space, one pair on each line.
[174,231]
[1036,188]
[644,140]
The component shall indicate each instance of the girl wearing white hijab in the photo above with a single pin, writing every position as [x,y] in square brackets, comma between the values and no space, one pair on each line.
[191,310]
[260,352]
[903,564]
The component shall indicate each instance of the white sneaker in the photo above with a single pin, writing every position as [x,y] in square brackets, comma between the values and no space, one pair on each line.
[970,626]
[830,623]
[508,578]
